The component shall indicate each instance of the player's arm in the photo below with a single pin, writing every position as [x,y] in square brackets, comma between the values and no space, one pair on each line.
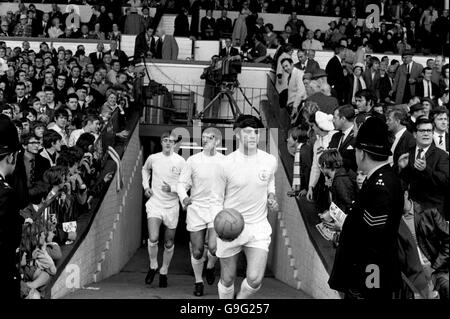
[146,174]
[185,183]
[218,189]
[271,197]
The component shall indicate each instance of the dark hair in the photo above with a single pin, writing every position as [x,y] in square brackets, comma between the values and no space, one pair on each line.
[38,192]
[84,141]
[367,94]
[61,112]
[54,175]
[287,59]
[426,69]
[27,137]
[331,159]
[299,133]
[246,120]
[50,137]
[421,121]
[66,159]
[347,111]
[71,96]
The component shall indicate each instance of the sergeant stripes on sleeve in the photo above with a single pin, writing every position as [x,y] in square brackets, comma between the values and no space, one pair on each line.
[374,220]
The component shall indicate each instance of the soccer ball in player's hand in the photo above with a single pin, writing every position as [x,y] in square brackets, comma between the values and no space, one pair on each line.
[228,224]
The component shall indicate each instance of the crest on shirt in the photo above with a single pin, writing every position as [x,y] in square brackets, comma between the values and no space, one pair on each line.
[264,175]
[176,170]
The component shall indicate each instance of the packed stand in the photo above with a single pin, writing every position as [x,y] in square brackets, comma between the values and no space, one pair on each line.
[60,104]
[408,104]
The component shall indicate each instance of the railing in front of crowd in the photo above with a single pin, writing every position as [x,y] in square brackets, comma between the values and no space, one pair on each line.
[170,103]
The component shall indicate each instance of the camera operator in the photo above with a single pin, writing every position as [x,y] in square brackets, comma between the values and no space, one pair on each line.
[211,86]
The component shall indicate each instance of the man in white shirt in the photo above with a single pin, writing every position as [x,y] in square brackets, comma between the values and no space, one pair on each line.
[91,125]
[440,121]
[59,125]
[296,88]
[198,175]
[162,207]
[310,43]
[403,139]
[246,183]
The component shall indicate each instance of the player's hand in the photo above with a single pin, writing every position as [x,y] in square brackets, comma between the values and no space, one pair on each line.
[403,160]
[420,164]
[309,194]
[272,201]
[303,192]
[148,192]
[165,187]
[187,201]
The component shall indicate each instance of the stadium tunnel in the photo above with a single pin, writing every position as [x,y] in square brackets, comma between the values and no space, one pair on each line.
[114,246]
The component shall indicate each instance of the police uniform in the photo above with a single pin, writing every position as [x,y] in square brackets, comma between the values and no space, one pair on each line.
[10,220]
[366,263]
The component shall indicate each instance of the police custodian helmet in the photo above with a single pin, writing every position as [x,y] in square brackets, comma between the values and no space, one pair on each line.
[373,137]
[9,138]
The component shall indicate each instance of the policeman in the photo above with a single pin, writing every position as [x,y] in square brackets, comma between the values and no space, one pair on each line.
[366,262]
[10,219]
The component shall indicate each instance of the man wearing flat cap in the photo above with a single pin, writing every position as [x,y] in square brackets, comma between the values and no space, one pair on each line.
[10,219]
[366,264]
[415,111]
[405,80]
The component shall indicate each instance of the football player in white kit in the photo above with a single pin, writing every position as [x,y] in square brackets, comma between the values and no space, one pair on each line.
[246,182]
[162,207]
[198,175]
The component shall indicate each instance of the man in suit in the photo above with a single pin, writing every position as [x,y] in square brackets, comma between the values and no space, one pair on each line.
[335,72]
[426,87]
[97,57]
[41,28]
[207,26]
[74,80]
[372,76]
[145,44]
[425,168]
[344,140]
[166,46]
[306,64]
[403,139]
[386,83]
[439,116]
[416,111]
[228,51]
[406,78]
[366,265]
[20,98]
[224,27]
[296,88]
[117,54]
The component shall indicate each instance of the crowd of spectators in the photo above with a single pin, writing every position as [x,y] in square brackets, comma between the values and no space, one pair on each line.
[60,103]
[327,109]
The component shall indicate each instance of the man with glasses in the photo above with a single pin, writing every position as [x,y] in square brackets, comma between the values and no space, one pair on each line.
[198,175]
[162,207]
[425,168]
[246,183]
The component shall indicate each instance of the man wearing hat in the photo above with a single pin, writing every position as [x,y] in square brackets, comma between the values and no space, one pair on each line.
[10,219]
[415,111]
[366,264]
[406,78]
[354,83]
[23,29]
